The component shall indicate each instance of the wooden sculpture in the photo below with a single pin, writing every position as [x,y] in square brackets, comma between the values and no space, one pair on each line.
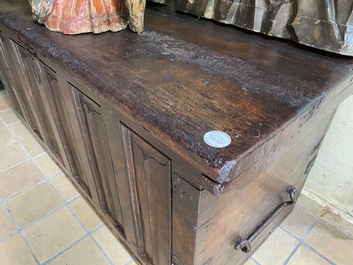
[96,16]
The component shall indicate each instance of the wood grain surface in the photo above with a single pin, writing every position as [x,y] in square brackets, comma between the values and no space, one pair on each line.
[182,78]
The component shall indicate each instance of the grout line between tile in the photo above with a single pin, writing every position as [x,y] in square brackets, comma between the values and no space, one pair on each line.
[129,262]
[65,203]
[45,180]
[100,247]
[24,138]
[56,174]
[31,158]
[30,249]
[293,252]
[90,233]
[42,217]
[97,228]
[255,260]
[25,190]
[58,193]
[42,154]
[9,236]
[318,253]
[64,250]
[302,242]
[19,231]
[9,168]
[7,124]
[11,215]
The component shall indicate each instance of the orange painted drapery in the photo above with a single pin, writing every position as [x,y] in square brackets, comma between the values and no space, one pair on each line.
[81,16]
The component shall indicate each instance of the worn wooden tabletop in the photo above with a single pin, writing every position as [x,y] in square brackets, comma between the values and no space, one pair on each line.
[183,77]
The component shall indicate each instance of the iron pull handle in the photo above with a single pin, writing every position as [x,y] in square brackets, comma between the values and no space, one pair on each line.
[245,244]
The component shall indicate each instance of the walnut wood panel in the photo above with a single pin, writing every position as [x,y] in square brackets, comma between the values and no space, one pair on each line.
[29,80]
[89,128]
[188,235]
[46,83]
[126,187]
[150,174]
[248,200]
[103,168]
[81,146]
[125,114]
[9,82]
[25,87]
[184,79]
[53,102]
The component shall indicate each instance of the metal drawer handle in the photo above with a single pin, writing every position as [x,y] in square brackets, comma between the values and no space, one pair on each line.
[245,244]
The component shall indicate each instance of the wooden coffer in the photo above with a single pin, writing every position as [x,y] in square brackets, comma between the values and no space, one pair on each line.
[124,116]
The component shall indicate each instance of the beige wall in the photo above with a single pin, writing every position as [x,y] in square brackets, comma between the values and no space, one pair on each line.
[331,178]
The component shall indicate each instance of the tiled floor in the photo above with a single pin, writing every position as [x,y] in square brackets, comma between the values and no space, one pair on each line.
[43,219]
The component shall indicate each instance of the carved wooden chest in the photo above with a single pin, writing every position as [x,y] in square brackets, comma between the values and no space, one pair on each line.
[125,116]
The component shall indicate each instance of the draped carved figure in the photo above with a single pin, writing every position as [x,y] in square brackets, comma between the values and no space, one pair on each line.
[81,16]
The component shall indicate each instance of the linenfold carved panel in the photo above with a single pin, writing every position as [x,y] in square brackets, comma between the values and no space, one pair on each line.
[150,186]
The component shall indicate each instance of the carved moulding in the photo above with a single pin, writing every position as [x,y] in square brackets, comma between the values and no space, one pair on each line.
[96,16]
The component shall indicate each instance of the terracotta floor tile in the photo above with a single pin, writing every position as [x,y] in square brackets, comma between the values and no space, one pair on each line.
[64,187]
[8,116]
[32,146]
[53,234]
[111,246]
[276,248]
[18,179]
[7,226]
[5,137]
[19,130]
[84,252]
[332,243]
[11,155]
[299,221]
[304,256]
[47,165]
[84,212]
[15,252]
[34,203]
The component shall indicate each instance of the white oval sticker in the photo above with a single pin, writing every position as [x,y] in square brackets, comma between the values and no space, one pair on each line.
[217,139]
